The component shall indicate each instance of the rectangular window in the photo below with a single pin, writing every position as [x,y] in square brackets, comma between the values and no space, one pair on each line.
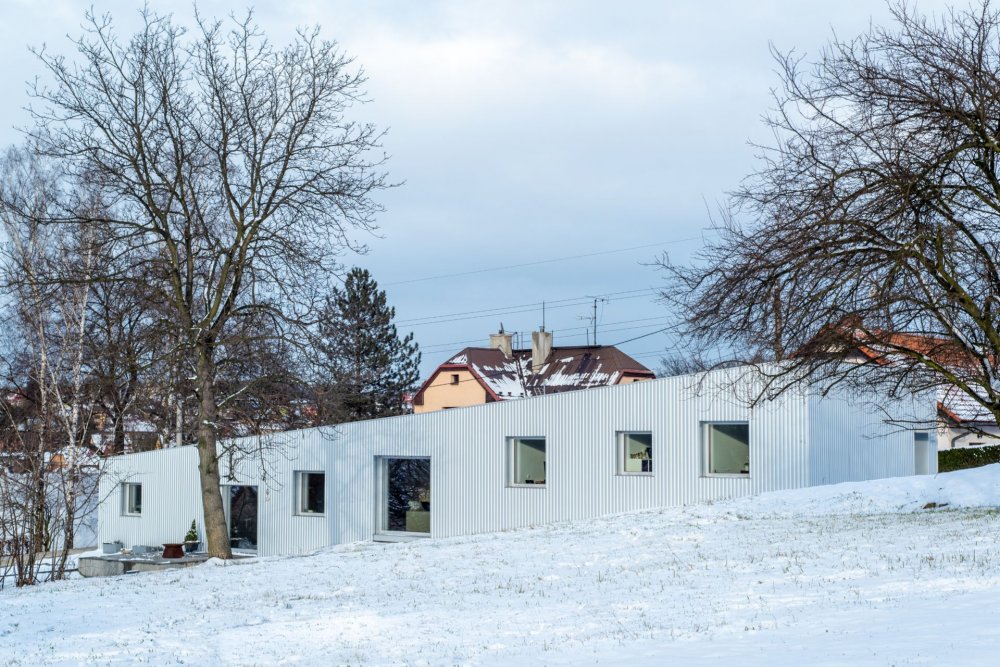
[635,453]
[132,498]
[454,378]
[311,493]
[527,461]
[727,448]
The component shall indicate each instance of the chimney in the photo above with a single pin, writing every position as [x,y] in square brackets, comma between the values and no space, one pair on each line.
[503,342]
[541,347]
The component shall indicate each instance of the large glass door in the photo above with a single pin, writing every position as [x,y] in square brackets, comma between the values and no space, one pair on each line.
[243,517]
[407,501]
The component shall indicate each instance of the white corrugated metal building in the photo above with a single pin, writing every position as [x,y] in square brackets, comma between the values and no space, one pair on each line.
[504,465]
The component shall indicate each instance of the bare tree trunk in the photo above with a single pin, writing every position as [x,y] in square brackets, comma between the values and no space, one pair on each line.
[208,459]
[179,422]
[118,437]
[76,308]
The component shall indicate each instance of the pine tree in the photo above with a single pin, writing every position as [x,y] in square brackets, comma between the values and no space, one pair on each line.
[368,366]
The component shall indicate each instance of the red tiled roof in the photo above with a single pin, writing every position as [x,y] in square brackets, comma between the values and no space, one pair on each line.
[882,347]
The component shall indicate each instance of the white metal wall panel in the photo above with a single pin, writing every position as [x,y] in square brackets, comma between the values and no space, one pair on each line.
[171,497]
[851,441]
[468,452]
[280,529]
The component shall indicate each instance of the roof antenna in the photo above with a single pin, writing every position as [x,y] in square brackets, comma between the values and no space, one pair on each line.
[543,316]
[501,327]
[594,318]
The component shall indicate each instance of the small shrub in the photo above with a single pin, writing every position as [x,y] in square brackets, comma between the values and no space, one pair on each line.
[969,457]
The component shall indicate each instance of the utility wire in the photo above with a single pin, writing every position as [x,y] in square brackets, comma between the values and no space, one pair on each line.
[512,312]
[651,333]
[541,261]
[508,310]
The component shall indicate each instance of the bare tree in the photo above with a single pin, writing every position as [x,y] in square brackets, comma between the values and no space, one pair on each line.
[48,273]
[680,363]
[233,175]
[123,350]
[873,221]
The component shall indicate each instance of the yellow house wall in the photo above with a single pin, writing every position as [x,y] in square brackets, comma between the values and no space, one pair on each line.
[442,393]
[629,380]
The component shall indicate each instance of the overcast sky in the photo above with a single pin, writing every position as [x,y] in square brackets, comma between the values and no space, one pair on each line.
[525,132]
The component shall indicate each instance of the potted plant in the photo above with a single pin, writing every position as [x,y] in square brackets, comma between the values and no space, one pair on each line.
[191,542]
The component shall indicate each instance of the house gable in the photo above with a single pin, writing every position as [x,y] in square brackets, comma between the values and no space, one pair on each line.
[451,386]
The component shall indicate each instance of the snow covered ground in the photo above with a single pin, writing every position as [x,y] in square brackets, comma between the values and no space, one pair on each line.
[854,574]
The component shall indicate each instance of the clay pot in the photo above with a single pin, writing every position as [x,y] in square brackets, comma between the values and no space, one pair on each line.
[173,550]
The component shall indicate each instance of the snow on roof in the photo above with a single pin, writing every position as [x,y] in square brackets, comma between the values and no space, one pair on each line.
[963,407]
[140,426]
[884,347]
[503,375]
[565,369]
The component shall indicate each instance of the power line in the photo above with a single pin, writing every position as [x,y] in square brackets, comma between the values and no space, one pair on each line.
[643,355]
[541,261]
[520,308]
[619,329]
[651,333]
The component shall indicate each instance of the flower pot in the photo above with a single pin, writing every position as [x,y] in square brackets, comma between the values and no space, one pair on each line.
[173,550]
[191,546]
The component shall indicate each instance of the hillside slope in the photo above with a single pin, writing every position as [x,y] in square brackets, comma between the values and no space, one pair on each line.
[844,575]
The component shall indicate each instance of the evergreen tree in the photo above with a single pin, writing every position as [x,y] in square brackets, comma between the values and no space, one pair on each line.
[369,367]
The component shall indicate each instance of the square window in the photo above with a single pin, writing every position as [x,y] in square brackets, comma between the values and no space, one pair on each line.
[132,498]
[527,461]
[311,490]
[635,453]
[454,378]
[727,448]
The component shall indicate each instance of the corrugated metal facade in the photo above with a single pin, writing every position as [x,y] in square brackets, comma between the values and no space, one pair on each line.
[849,444]
[795,440]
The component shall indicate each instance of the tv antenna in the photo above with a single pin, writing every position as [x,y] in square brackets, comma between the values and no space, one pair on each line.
[593,318]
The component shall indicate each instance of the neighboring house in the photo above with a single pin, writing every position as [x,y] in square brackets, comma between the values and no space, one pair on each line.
[964,423]
[961,421]
[138,435]
[566,456]
[80,458]
[479,375]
